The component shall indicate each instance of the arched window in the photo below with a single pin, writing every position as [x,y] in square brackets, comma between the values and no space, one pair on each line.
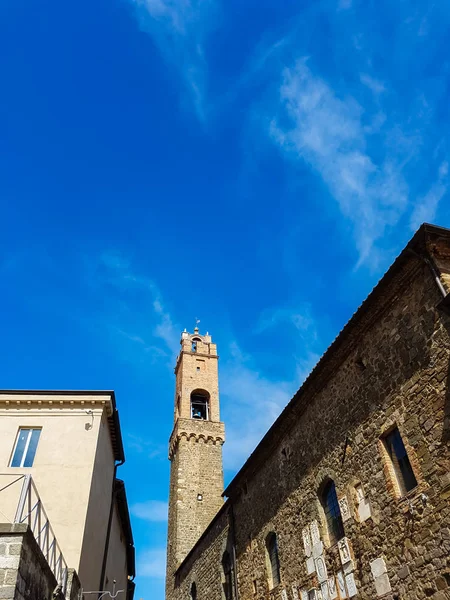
[200,405]
[194,344]
[332,512]
[193,595]
[273,562]
[227,567]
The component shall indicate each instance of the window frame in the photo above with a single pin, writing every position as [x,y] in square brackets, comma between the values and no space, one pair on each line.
[24,456]
[334,528]
[394,472]
[228,576]
[273,566]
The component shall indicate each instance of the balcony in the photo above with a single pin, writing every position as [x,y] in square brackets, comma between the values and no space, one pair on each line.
[20,504]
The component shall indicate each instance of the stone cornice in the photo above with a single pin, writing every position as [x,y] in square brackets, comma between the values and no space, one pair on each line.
[27,401]
[208,432]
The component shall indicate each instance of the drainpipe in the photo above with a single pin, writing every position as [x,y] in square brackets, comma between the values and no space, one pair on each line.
[444,304]
[108,531]
[233,557]
[435,275]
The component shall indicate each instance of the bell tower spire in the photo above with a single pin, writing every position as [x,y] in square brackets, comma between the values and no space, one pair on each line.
[195,448]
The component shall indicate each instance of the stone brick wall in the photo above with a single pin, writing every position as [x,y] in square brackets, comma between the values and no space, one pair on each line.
[24,571]
[202,566]
[389,367]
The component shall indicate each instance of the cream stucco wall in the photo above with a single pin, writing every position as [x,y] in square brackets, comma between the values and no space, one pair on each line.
[117,562]
[99,505]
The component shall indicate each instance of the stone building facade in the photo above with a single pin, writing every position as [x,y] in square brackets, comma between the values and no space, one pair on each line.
[347,495]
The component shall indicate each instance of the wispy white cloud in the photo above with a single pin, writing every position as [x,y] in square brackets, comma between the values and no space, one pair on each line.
[142,318]
[300,317]
[144,446]
[327,132]
[179,29]
[252,400]
[344,4]
[153,510]
[251,403]
[426,207]
[375,86]
[152,563]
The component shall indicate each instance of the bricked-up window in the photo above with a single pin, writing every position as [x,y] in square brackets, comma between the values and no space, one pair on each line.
[25,447]
[200,405]
[227,567]
[193,594]
[399,465]
[273,562]
[332,512]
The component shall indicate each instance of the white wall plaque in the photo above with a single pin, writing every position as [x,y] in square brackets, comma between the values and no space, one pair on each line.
[321,569]
[341,584]
[345,509]
[307,541]
[344,551]
[378,567]
[317,550]
[294,592]
[315,533]
[324,590]
[304,594]
[351,585]
[380,576]
[349,567]
[332,588]
[364,512]
[383,585]
[284,595]
[310,565]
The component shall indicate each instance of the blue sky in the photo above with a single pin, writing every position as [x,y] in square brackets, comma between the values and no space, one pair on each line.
[254,164]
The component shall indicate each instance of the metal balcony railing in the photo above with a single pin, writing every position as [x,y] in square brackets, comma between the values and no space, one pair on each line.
[28,508]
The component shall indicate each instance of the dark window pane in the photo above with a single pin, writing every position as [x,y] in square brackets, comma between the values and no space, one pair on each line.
[29,459]
[20,447]
[400,461]
[332,513]
[228,576]
[272,549]
[193,592]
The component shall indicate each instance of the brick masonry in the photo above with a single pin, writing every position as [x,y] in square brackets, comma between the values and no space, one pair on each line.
[388,367]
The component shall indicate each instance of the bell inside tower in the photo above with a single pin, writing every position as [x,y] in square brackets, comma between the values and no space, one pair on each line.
[200,405]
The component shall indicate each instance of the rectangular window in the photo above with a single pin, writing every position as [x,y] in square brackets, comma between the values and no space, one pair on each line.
[25,447]
[399,465]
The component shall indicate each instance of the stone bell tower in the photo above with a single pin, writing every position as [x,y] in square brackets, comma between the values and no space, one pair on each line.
[195,449]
